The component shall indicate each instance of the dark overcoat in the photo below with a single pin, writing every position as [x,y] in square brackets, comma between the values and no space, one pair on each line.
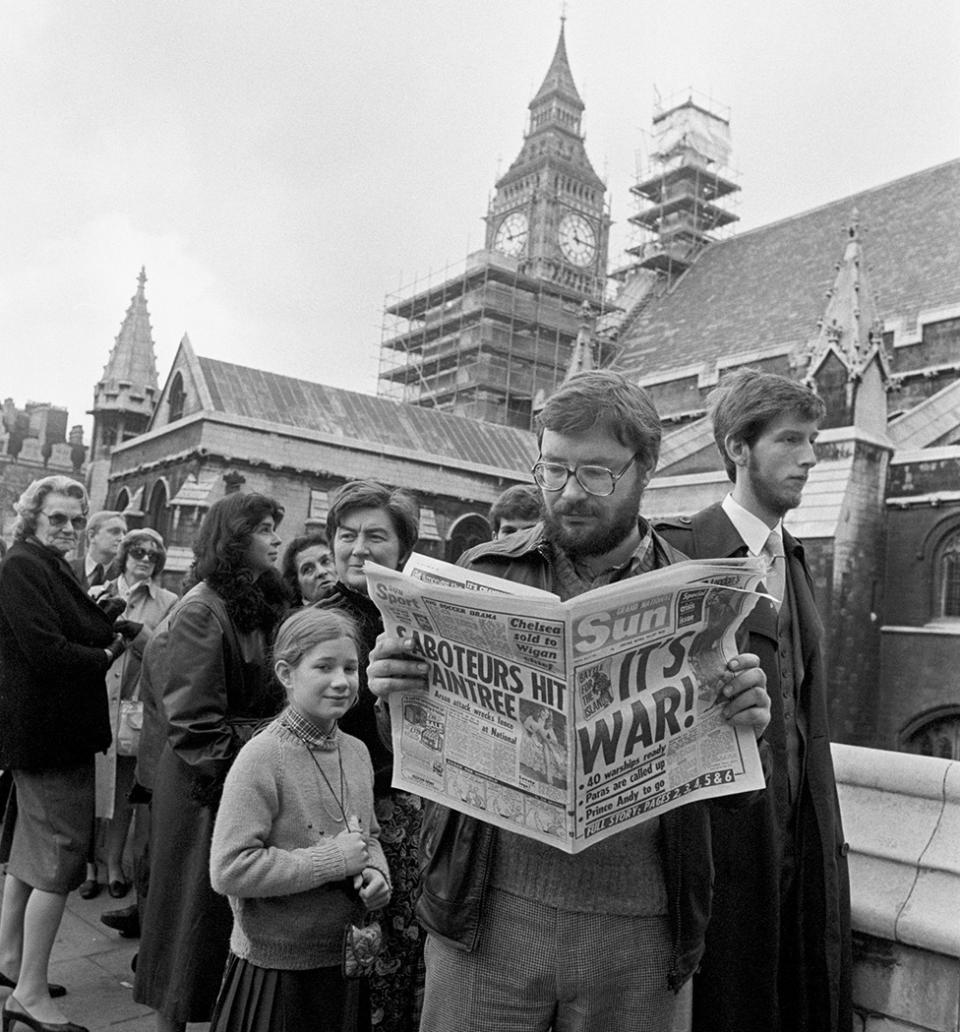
[53,637]
[736,989]
[216,688]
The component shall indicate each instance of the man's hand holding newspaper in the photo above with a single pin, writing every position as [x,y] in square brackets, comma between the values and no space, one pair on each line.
[569,722]
[395,667]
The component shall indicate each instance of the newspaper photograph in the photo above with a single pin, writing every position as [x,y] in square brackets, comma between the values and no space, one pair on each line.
[569,721]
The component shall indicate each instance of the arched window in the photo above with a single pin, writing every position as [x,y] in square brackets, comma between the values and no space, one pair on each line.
[123,500]
[466,532]
[157,509]
[948,577]
[939,737]
[176,399]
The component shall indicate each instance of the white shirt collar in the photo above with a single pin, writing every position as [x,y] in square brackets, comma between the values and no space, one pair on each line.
[125,590]
[89,564]
[751,528]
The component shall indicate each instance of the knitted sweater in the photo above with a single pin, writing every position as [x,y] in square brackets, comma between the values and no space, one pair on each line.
[274,853]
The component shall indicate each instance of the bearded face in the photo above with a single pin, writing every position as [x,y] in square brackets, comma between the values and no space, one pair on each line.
[583,524]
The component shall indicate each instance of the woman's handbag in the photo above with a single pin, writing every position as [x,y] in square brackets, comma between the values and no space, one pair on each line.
[362,944]
[130,724]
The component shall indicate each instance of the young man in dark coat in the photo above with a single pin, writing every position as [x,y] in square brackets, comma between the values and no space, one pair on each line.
[777,955]
[98,564]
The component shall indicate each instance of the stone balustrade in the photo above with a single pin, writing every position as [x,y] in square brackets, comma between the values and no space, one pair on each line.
[901,816]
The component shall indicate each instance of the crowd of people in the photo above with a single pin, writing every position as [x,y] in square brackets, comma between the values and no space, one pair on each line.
[283,884]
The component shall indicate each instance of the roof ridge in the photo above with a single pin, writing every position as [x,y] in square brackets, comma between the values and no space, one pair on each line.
[848,199]
[375,398]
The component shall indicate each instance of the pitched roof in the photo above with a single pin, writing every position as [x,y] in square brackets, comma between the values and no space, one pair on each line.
[271,398]
[132,358]
[931,422]
[559,78]
[765,289]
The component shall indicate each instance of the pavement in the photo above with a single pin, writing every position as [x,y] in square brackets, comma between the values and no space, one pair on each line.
[93,962]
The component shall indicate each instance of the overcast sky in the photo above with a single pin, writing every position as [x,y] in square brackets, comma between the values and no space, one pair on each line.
[280,166]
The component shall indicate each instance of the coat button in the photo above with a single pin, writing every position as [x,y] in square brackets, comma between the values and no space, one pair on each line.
[844,848]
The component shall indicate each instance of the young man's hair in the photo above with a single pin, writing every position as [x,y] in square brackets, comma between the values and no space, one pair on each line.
[747,401]
[608,402]
[520,502]
[98,519]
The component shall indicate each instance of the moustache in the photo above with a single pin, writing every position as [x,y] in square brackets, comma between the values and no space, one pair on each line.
[581,508]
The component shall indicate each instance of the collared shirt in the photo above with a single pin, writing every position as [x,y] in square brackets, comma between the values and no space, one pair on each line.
[90,564]
[574,579]
[751,529]
[126,590]
[309,732]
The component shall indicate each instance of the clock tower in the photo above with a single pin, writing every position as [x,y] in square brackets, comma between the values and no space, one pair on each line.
[549,210]
[489,341]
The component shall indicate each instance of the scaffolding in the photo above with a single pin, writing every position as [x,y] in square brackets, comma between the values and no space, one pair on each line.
[685,175]
[483,340]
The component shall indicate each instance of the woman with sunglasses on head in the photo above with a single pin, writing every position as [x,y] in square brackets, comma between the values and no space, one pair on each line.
[218,688]
[141,558]
[55,647]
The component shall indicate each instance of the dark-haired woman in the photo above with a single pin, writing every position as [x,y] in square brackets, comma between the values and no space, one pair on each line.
[217,689]
[370,522]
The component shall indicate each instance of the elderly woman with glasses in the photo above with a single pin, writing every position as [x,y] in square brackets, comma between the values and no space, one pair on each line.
[140,558]
[56,645]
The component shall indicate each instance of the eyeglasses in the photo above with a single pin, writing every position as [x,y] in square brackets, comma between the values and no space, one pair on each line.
[59,520]
[595,480]
[144,553]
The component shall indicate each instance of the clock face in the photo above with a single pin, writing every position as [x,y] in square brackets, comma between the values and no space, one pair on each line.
[578,239]
[511,235]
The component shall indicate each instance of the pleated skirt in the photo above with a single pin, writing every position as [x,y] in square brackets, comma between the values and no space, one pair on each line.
[255,999]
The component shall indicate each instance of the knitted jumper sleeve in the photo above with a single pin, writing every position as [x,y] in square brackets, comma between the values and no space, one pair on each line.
[242,863]
[361,761]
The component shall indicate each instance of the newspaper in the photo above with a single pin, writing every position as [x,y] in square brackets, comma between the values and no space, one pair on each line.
[570,721]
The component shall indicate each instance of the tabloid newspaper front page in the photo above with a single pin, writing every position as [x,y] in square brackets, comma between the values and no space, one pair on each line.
[569,721]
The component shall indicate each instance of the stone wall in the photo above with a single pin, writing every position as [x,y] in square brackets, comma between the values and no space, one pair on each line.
[901,816]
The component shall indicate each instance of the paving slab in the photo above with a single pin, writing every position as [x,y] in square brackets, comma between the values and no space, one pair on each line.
[93,962]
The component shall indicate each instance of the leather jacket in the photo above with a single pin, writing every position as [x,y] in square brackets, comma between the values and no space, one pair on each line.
[456,851]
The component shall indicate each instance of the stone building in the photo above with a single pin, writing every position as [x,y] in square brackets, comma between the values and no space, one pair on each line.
[491,340]
[860,297]
[126,393]
[34,443]
[218,427]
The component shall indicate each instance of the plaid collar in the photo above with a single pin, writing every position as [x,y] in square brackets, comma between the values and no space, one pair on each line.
[308,732]
[573,579]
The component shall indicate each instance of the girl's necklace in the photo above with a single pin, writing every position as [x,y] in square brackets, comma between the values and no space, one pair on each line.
[339,800]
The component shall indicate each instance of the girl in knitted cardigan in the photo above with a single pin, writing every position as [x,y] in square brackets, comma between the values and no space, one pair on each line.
[295,847]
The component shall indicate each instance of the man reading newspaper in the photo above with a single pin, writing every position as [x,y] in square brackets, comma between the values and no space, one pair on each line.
[522,936]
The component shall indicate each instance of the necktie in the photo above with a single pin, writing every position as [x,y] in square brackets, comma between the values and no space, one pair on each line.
[96,576]
[776,577]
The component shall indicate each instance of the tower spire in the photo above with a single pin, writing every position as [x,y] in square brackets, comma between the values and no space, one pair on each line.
[846,360]
[123,399]
[558,82]
[132,360]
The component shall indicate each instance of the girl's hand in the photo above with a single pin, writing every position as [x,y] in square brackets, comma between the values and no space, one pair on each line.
[355,853]
[374,889]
